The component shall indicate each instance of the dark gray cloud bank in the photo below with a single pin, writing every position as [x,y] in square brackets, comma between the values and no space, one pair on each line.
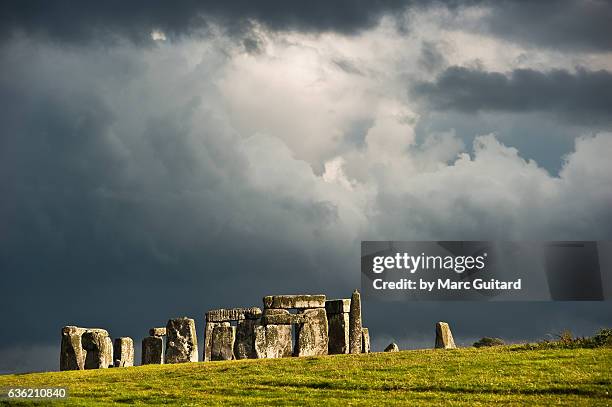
[580,25]
[93,20]
[140,183]
[566,24]
[584,96]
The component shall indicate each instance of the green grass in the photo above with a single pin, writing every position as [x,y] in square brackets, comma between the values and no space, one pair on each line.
[451,377]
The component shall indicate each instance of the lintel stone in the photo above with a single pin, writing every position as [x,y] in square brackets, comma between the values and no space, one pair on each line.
[294,301]
[157,331]
[232,314]
[281,317]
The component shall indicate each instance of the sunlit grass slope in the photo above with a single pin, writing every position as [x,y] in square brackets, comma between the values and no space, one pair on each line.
[450,377]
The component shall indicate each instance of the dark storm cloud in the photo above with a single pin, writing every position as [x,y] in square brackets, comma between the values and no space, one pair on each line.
[580,25]
[85,20]
[570,24]
[584,96]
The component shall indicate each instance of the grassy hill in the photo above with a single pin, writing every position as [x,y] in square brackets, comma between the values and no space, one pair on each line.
[456,377]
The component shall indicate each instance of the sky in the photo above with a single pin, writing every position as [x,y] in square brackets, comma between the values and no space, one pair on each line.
[160,159]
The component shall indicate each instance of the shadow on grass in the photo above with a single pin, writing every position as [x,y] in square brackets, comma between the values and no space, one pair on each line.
[327,385]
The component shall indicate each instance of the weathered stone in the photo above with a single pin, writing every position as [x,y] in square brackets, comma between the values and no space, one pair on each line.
[365,340]
[252,313]
[72,356]
[312,336]
[355,323]
[244,347]
[271,311]
[281,317]
[294,301]
[208,335]
[337,306]
[444,337]
[181,341]
[273,341]
[109,352]
[233,314]
[338,329]
[123,352]
[98,349]
[392,347]
[223,338]
[261,346]
[153,350]
[157,331]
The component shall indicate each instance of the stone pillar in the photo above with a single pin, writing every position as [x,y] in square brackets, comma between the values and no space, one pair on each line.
[273,341]
[223,338]
[244,347]
[153,350]
[312,336]
[98,349]
[109,352]
[72,356]
[365,340]
[123,352]
[338,325]
[355,323]
[444,337]
[208,335]
[181,341]
[260,342]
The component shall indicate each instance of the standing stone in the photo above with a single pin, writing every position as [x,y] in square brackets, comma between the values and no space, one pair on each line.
[338,328]
[392,347]
[244,347]
[208,335]
[444,337]
[365,340]
[312,335]
[123,352]
[181,341]
[355,323]
[109,352]
[279,341]
[338,325]
[223,338]
[273,341]
[157,331]
[338,306]
[260,342]
[153,350]
[72,356]
[99,349]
